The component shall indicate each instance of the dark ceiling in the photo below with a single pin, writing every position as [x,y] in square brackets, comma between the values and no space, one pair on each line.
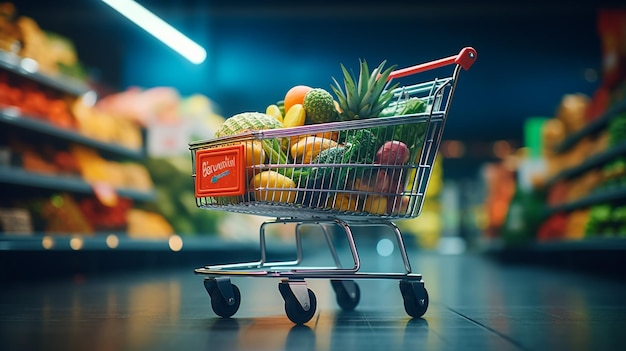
[530,53]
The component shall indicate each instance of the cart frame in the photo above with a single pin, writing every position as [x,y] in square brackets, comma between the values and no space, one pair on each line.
[300,301]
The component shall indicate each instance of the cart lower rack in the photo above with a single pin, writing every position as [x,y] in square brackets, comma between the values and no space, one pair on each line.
[334,177]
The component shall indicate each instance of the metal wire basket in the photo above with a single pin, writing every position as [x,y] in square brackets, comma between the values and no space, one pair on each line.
[349,173]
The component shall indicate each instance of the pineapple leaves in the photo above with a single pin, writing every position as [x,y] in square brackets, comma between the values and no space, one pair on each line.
[364,77]
[365,96]
[339,93]
[351,90]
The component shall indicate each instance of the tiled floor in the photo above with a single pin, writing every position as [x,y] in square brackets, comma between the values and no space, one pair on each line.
[475,304]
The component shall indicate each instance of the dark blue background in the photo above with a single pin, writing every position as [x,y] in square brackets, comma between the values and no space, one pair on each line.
[529,53]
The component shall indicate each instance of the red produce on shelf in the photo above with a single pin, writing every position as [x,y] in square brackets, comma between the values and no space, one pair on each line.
[553,228]
[557,193]
[103,217]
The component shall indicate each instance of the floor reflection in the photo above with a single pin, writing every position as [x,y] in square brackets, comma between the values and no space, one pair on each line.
[475,305]
[300,338]
[330,330]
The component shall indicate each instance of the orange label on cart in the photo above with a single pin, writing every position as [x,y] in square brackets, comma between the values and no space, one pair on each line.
[221,171]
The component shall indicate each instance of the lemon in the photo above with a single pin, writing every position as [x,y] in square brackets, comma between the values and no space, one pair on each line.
[295,116]
[274,111]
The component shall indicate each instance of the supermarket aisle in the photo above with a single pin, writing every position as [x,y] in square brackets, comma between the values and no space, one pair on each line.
[476,304]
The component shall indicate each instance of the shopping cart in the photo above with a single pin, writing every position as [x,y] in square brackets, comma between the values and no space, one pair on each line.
[357,188]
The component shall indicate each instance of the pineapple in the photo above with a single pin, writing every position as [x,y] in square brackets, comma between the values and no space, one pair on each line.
[366,96]
[319,106]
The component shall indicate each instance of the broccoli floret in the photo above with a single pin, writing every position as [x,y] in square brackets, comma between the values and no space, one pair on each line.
[321,179]
[331,155]
[361,146]
[336,166]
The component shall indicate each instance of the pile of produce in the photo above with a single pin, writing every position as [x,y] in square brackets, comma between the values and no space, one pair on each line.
[21,35]
[36,101]
[65,213]
[356,170]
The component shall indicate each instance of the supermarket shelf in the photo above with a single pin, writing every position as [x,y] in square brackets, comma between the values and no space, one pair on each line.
[12,117]
[597,255]
[114,241]
[597,197]
[591,163]
[590,243]
[592,127]
[587,244]
[29,68]
[18,176]
[37,256]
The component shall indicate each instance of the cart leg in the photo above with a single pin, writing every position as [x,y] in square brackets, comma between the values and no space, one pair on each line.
[331,246]
[262,263]
[336,269]
[300,301]
[401,246]
[351,245]
[298,236]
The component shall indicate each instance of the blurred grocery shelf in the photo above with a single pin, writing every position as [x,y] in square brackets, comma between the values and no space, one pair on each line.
[601,256]
[11,117]
[17,176]
[115,241]
[597,197]
[590,163]
[592,127]
[39,255]
[29,68]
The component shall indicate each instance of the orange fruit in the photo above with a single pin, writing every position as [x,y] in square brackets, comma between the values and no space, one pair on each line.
[295,95]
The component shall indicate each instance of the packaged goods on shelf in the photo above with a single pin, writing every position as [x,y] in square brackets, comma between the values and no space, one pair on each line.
[15,221]
[606,221]
[612,32]
[106,127]
[553,228]
[71,167]
[62,215]
[175,199]
[616,129]
[22,36]
[586,177]
[35,101]
[568,119]
[94,169]
[168,118]
[147,224]
[571,112]
[70,164]
[576,223]
[500,182]
[109,217]
[584,148]
[10,34]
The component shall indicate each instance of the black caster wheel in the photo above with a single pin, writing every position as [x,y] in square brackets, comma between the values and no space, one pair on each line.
[415,297]
[225,296]
[348,293]
[300,301]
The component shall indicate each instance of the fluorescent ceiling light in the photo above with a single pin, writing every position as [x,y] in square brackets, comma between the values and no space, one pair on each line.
[159,29]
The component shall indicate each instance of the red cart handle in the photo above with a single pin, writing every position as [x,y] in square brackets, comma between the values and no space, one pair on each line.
[466,58]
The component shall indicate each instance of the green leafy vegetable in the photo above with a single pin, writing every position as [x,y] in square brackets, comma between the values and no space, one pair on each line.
[337,166]
[411,134]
